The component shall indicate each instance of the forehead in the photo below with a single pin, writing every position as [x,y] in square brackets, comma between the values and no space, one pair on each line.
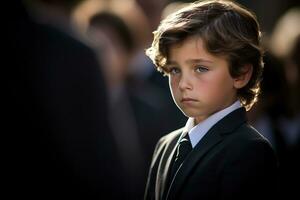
[193,51]
[191,47]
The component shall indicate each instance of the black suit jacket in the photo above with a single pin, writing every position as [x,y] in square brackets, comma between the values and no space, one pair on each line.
[232,161]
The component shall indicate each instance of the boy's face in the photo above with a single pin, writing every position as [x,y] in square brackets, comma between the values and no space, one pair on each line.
[200,82]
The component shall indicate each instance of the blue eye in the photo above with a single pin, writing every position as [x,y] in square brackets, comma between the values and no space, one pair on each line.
[201,69]
[174,70]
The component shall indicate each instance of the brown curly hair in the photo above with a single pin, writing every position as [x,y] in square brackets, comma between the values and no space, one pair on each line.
[226,28]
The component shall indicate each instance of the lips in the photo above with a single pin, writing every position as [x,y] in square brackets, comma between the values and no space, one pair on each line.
[188,100]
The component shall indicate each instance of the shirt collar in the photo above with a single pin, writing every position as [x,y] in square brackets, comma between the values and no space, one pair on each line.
[197,131]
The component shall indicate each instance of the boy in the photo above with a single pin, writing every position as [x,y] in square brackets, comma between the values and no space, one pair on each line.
[212,55]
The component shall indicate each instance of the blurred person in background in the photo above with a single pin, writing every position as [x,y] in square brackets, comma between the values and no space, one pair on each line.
[272,107]
[110,35]
[285,44]
[143,70]
[134,110]
[62,145]
[277,114]
[291,165]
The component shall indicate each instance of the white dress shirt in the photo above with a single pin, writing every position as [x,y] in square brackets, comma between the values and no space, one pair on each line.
[197,131]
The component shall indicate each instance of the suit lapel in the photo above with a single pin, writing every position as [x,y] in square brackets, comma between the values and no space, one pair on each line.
[163,168]
[198,152]
[214,136]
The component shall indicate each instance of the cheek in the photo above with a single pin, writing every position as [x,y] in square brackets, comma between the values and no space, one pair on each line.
[205,85]
[216,85]
[173,84]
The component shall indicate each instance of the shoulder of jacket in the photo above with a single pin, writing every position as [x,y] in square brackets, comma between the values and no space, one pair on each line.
[247,136]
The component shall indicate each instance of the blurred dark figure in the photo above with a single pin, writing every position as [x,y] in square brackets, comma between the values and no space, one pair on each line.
[285,44]
[272,106]
[114,44]
[61,141]
[134,109]
[276,118]
[292,72]
[144,71]
[277,114]
[291,161]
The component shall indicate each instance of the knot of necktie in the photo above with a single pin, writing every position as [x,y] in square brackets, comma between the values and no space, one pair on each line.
[183,149]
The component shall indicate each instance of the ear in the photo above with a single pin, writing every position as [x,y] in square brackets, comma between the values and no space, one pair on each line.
[244,78]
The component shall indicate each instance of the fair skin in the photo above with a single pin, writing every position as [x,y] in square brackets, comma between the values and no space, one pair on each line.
[200,82]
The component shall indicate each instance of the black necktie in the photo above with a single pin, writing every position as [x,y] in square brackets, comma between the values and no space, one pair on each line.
[183,149]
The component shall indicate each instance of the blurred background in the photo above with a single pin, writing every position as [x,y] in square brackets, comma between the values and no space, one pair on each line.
[86,106]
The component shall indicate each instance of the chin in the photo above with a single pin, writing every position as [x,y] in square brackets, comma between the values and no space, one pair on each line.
[190,112]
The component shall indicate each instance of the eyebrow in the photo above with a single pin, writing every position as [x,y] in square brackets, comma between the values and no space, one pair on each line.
[191,61]
[200,60]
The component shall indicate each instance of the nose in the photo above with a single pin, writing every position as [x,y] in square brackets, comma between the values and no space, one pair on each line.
[185,83]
